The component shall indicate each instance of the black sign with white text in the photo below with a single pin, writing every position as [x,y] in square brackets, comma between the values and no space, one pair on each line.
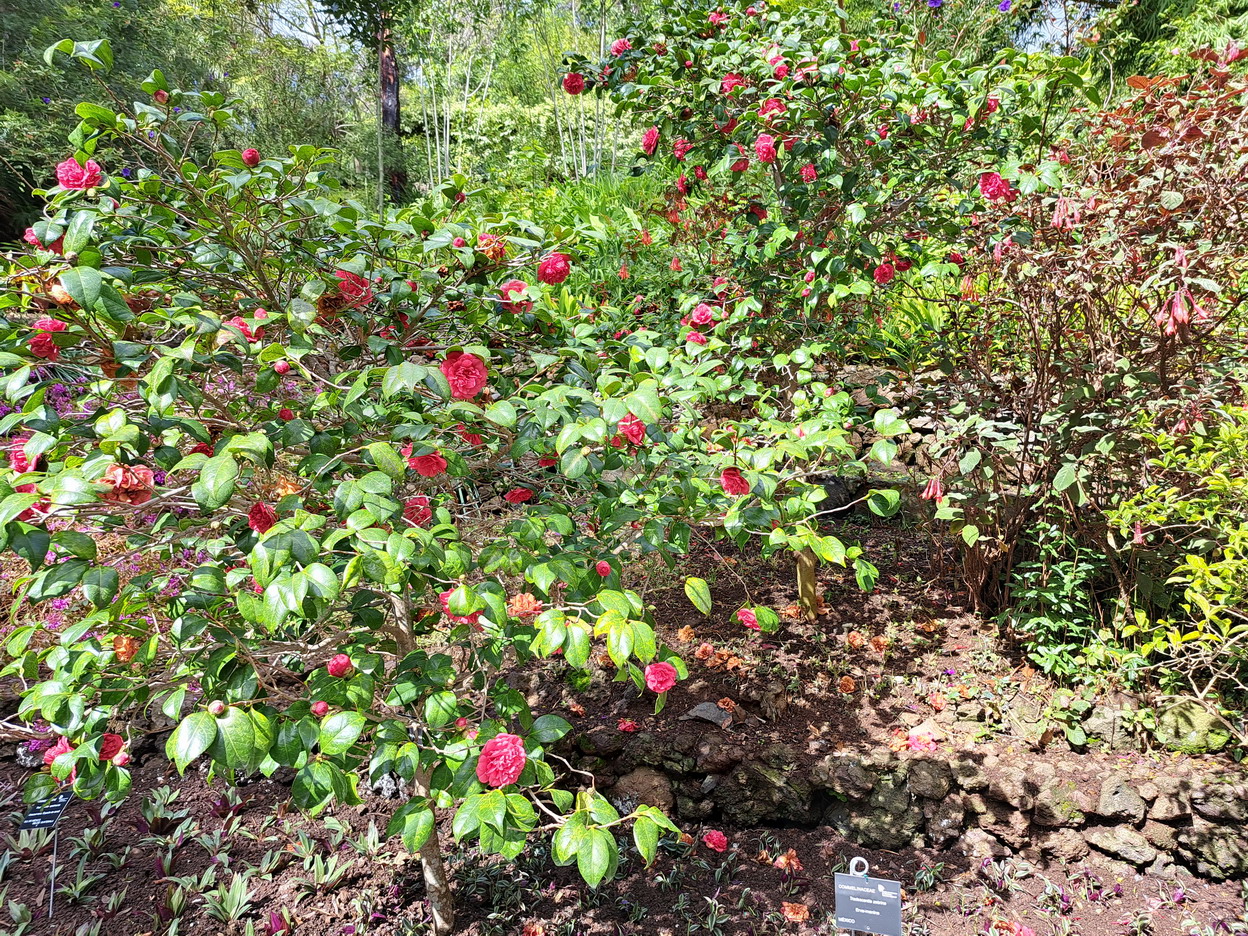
[47,814]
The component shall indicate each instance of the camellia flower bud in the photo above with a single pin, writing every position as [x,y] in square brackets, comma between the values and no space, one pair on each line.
[216,707]
[251,157]
[319,708]
[282,367]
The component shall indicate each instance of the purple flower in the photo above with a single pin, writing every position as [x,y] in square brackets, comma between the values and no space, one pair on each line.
[46,100]
[935,4]
[126,172]
[1004,6]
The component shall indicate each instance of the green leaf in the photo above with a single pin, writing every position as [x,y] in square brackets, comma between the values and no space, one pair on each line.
[99,585]
[339,731]
[699,593]
[441,708]
[83,284]
[646,835]
[191,739]
[413,821]
[595,855]
[644,402]
[235,744]
[387,459]
[215,485]
[1065,477]
[549,728]
[313,787]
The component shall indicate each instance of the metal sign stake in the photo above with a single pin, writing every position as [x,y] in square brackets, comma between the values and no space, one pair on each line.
[56,835]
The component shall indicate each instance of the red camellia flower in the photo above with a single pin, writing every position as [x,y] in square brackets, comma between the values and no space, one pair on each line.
[633,429]
[809,173]
[285,414]
[319,708]
[515,287]
[470,619]
[251,157]
[699,173]
[696,337]
[161,96]
[554,268]
[702,315]
[884,273]
[765,148]
[715,840]
[717,18]
[772,107]
[675,264]
[241,324]
[71,175]
[42,345]
[957,258]
[573,83]
[681,148]
[748,618]
[110,746]
[650,141]
[603,568]
[730,82]
[502,760]
[261,517]
[781,72]
[428,466]
[626,724]
[743,163]
[339,666]
[547,462]
[620,46]
[416,510]
[354,288]
[995,189]
[128,484]
[518,495]
[660,677]
[57,245]
[472,438]
[734,485]
[465,373]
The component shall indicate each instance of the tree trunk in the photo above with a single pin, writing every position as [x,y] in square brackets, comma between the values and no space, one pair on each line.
[437,887]
[388,71]
[807,583]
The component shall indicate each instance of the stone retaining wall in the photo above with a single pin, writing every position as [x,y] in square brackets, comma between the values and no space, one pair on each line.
[1161,817]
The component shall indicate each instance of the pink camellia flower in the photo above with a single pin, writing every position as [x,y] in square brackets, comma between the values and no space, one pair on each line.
[30,237]
[781,72]
[765,148]
[733,483]
[469,619]
[161,96]
[729,83]
[459,242]
[416,510]
[751,11]
[741,164]
[515,287]
[354,288]
[17,455]
[650,141]
[675,264]
[340,665]
[62,746]
[633,429]
[920,741]
[715,840]
[261,517]
[699,173]
[241,324]
[472,438]
[42,345]
[995,189]
[620,46]
[120,759]
[660,677]
[626,724]
[319,708]
[502,760]
[573,83]
[772,107]
[554,268]
[466,373]
[717,18]
[748,618]
[696,337]
[129,484]
[251,157]
[884,273]
[935,490]
[603,568]
[809,173]
[810,276]
[681,148]
[71,175]
[703,314]
[518,495]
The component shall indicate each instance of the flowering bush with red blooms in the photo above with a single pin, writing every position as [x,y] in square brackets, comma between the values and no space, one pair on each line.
[852,148]
[319,599]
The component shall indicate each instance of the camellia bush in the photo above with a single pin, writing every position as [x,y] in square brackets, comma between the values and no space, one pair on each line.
[308,481]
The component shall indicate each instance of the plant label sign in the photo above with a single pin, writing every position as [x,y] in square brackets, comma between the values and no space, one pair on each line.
[867,904]
[47,814]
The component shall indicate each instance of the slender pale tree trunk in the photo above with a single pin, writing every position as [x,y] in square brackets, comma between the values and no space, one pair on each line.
[437,886]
